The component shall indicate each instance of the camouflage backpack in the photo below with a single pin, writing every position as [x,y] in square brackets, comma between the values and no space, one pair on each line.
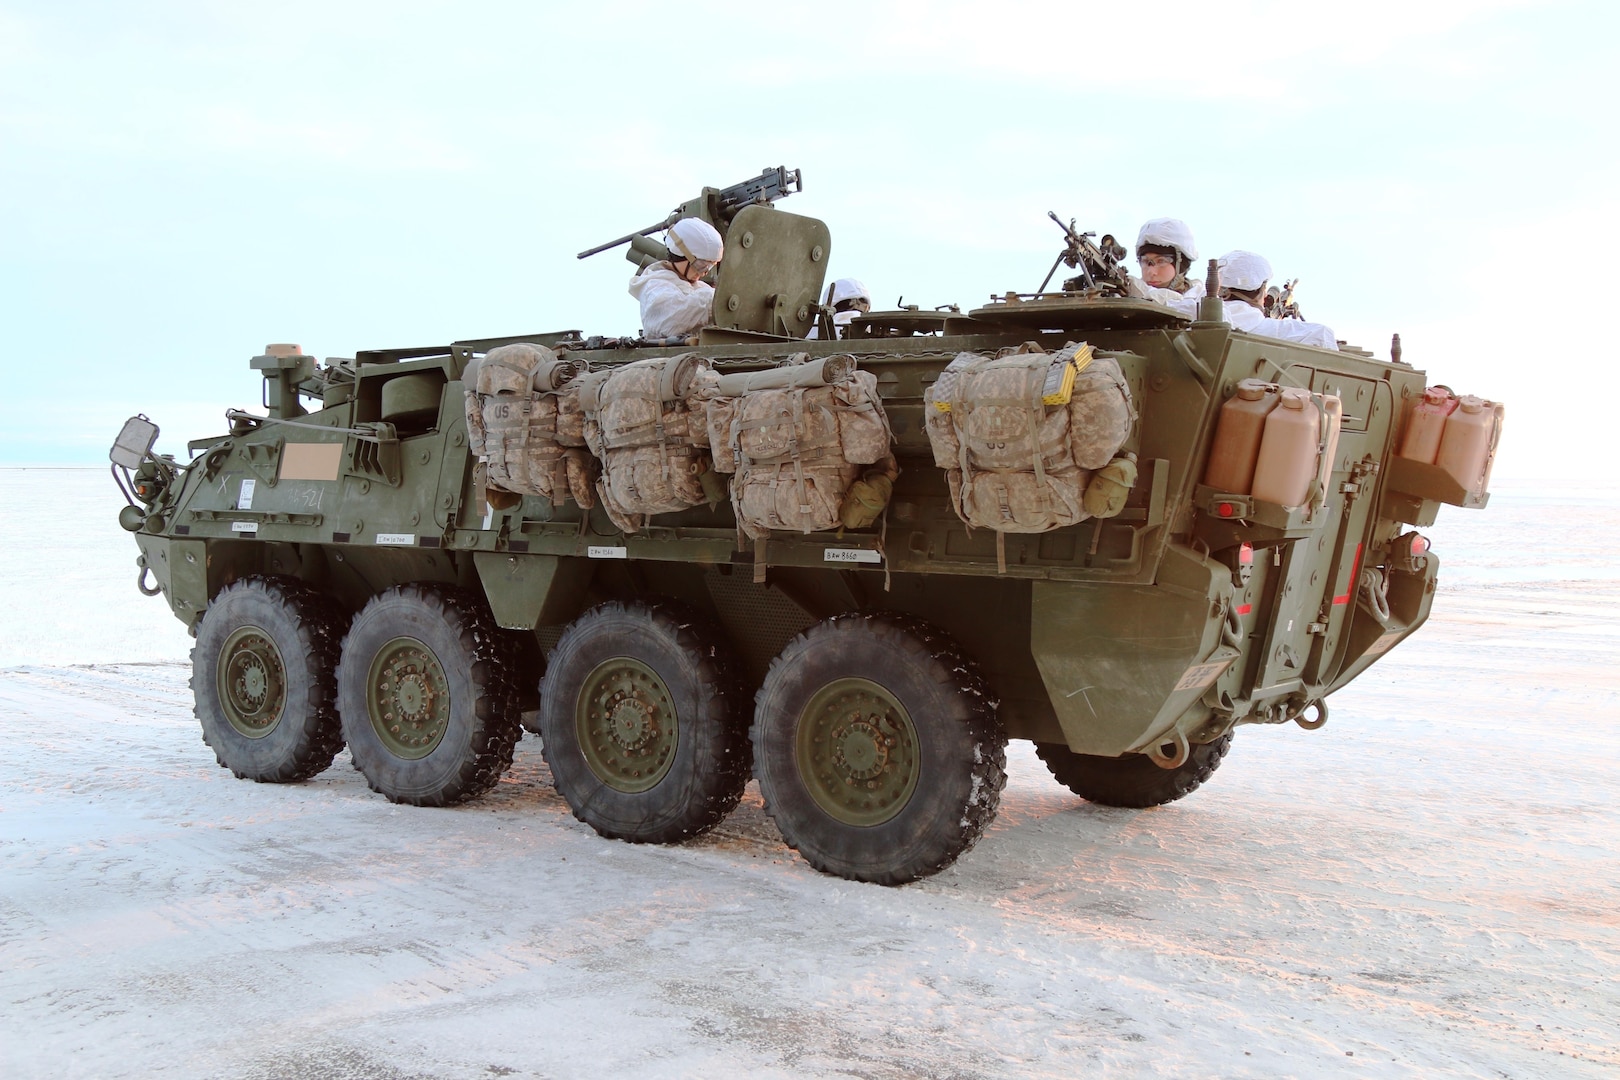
[1019,434]
[799,440]
[640,422]
[524,424]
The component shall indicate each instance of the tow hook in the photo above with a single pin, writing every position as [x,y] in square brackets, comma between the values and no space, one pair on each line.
[140,579]
[1320,709]
[1171,752]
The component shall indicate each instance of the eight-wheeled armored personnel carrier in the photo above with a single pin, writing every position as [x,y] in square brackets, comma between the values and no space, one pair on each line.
[851,568]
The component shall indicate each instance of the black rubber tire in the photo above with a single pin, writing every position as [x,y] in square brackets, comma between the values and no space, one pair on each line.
[304,628]
[480,726]
[709,765]
[961,759]
[1133,781]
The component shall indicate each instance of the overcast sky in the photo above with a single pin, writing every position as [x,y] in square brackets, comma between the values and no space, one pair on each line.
[183,183]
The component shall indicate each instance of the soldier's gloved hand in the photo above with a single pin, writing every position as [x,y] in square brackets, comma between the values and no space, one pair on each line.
[1135,286]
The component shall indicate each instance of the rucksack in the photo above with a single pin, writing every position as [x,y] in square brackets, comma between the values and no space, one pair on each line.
[640,422]
[1019,434]
[524,424]
[797,439]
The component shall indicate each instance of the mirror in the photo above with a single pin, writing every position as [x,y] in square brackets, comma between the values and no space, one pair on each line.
[134,443]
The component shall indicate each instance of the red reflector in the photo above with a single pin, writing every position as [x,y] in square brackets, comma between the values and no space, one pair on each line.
[1355,568]
[1224,509]
[1246,554]
[1244,609]
[1420,544]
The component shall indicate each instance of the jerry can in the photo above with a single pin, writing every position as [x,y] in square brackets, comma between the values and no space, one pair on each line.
[1421,441]
[1293,451]
[1469,441]
[1237,436]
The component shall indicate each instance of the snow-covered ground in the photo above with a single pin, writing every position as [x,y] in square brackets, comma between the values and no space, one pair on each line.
[1427,887]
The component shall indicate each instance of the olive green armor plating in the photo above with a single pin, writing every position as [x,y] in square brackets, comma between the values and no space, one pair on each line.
[349,580]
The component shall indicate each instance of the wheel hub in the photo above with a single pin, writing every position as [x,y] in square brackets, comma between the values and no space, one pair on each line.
[408,698]
[255,682]
[252,682]
[858,752]
[413,695]
[626,724]
[861,750]
[630,721]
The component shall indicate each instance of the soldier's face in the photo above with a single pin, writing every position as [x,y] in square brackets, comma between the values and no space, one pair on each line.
[693,270]
[1157,270]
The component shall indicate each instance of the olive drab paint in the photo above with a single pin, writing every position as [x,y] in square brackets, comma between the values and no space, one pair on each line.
[1251,565]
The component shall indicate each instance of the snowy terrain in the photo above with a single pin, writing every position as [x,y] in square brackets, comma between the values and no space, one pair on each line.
[1427,887]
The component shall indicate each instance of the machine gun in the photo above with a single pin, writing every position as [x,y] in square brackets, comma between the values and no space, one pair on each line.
[717,206]
[1280,303]
[1099,263]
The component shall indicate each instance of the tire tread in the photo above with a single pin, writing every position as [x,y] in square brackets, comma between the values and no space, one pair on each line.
[719,787]
[974,707]
[495,694]
[318,625]
[1132,782]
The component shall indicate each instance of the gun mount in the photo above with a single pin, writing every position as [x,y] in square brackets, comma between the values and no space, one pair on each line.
[718,206]
[1098,262]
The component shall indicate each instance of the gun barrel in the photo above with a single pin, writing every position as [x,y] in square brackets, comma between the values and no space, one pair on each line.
[718,207]
[627,237]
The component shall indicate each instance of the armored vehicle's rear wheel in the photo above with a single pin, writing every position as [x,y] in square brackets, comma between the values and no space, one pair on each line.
[425,692]
[877,748]
[1132,781]
[262,672]
[642,724]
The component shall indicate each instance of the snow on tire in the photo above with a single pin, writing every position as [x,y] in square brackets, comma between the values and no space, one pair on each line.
[642,724]
[263,675]
[877,748]
[424,689]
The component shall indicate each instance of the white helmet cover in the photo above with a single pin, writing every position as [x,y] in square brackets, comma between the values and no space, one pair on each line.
[1167,232]
[848,288]
[1243,270]
[694,238]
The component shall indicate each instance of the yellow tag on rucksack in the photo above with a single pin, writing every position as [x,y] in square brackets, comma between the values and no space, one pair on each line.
[1059,385]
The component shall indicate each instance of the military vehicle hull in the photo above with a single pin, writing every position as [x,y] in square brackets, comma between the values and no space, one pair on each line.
[869,678]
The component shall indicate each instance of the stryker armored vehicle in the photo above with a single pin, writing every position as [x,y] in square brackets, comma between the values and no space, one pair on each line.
[1084,520]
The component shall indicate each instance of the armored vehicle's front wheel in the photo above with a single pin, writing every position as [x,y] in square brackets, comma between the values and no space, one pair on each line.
[262,672]
[425,692]
[877,748]
[1132,781]
[641,723]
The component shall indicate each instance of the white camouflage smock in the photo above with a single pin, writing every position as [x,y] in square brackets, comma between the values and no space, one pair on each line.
[1251,320]
[670,305]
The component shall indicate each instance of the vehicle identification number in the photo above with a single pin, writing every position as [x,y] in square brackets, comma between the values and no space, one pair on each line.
[400,539]
[851,555]
[244,526]
[1201,675]
[596,551]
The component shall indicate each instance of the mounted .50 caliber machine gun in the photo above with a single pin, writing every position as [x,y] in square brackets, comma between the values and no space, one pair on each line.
[775,262]
[718,206]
